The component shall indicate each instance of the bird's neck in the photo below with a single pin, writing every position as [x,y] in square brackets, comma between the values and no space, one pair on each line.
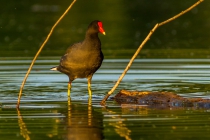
[92,41]
[91,36]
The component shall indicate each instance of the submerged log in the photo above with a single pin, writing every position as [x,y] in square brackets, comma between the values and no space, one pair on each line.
[163,99]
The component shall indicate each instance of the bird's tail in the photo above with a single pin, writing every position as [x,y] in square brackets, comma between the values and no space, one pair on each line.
[54,68]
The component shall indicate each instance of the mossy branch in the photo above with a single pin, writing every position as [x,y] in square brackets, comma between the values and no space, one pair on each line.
[40,49]
[103,102]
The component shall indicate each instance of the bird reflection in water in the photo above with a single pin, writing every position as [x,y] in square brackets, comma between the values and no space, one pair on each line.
[82,124]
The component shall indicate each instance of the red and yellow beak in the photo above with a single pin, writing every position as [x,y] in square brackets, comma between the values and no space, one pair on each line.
[101,30]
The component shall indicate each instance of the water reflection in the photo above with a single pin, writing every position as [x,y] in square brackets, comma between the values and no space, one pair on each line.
[80,122]
[87,120]
[119,126]
[23,128]
[83,124]
[46,113]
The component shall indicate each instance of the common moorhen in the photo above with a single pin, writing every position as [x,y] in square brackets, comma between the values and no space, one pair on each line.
[83,59]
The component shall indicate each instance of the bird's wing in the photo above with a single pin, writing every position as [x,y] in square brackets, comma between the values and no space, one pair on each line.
[72,47]
[70,52]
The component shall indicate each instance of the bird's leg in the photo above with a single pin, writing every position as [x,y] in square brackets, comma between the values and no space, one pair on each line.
[90,115]
[89,87]
[69,89]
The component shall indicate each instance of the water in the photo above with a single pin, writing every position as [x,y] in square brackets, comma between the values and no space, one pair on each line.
[46,113]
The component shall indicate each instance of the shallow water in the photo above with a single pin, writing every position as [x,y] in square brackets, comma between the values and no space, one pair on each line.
[46,112]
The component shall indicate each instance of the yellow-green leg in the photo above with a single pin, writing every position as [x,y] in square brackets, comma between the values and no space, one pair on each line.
[69,89]
[89,86]
[90,101]
[90,115]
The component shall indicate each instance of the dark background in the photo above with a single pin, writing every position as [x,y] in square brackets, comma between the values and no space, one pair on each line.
[25,24]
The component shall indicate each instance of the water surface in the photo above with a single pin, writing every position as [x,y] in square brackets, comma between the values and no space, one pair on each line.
[47,113]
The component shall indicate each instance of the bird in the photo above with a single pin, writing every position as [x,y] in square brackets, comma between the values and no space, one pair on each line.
[83,59]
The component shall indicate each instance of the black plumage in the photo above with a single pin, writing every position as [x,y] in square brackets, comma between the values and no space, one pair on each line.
[83,59]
